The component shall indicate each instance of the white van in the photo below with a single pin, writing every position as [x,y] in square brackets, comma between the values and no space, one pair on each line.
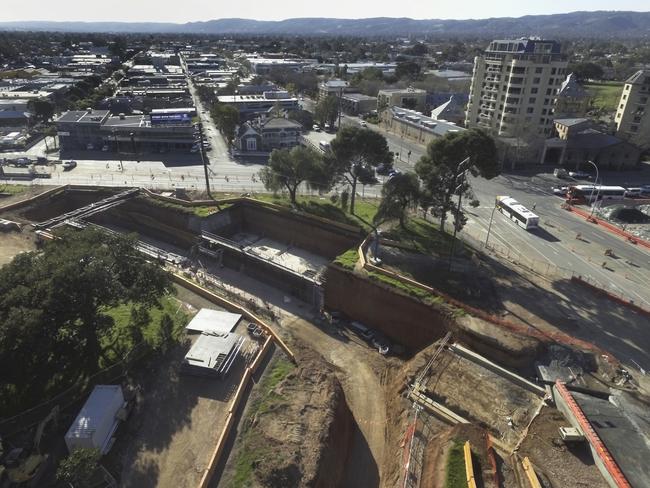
[324,145]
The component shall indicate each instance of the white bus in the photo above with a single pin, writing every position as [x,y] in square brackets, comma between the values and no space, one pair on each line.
[519,214]
[591,193]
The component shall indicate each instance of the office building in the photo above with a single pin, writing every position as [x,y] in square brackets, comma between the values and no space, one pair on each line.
[633,114]
[514,87]
[409,98]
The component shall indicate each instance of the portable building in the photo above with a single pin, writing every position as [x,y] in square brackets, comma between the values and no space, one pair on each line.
[98,419]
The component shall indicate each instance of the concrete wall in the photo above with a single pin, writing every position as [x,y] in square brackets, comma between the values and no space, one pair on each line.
[292,228]
[402,319]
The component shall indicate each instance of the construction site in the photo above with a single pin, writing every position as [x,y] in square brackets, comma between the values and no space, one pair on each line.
[407,371]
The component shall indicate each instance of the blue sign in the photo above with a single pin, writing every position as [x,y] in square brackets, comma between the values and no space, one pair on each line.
[163,119]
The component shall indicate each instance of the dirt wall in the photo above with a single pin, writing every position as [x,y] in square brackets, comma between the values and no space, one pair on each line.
[338,440]
[402,319]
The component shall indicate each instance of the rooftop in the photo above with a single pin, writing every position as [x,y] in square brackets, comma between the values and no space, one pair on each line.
[639,78]
[84,116]
[524,46]
[211,351]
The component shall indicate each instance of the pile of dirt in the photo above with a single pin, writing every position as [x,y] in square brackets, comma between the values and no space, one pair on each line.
[298,434]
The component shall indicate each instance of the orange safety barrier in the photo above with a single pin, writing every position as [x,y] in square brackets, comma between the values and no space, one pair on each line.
[597,444]
[609,226]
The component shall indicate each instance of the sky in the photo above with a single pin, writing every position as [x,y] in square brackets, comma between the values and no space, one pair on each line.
[181,11]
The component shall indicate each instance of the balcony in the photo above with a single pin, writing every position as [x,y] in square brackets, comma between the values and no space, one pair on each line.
[488,107]
[491,89]
[493,79]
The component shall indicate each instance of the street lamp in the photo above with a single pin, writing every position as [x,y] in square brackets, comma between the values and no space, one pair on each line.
[490,224]
[591,196]
[198,132]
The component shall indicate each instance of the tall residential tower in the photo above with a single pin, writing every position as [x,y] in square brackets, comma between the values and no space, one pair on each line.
[633,114]
[514,87]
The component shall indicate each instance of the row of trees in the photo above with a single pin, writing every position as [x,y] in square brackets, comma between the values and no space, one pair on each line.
[356,153]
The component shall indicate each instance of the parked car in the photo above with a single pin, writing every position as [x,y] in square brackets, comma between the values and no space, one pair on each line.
[394,172]
[68,165]
[105,148]
[90,146]
[582,175]
[560,190]
[560,173]
[381,343]
[384,169]
[41,160]
[364,331]
[22,162]
[316,128]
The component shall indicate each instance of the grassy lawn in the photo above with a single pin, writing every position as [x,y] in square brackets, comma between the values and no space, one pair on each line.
[121,315]
[348,259]
[455,468]
[606,95]
[13,189]
[253,449]
[364,211]
[424,236]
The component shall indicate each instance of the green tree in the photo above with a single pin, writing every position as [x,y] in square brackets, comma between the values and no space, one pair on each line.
[226,118]
[407,70]
[53,303]
[398,194]
[42,109]
[287,169]
[439,168]
[327,110]
[165,332]
[79,467]
[118,48]
[303,117]
[354,154]
[587,71]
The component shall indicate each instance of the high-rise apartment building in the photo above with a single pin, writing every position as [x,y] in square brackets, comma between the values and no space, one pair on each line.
[514,87]
[633,114]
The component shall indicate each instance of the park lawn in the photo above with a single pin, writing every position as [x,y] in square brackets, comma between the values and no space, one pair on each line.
[606,95]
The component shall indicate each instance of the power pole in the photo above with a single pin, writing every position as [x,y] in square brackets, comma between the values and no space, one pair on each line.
[198,132]
[460,177]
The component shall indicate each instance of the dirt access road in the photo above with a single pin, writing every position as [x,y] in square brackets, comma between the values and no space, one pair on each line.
[358,369]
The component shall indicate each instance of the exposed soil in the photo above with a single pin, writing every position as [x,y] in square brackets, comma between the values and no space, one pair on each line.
[481,396]
[296,435]
[12,243]
[562,465]
[169,437]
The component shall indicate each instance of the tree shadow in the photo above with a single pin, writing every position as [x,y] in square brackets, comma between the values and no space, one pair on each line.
[544,234]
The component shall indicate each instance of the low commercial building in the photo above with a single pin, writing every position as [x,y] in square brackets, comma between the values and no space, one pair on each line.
[578,142]
[452,110]
[163,131]
[358,103]
[416,126]
[263,135]
[250,106]
[410,98]
[332,88]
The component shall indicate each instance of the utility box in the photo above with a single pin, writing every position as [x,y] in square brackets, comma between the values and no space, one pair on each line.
[98,419]
[571,434]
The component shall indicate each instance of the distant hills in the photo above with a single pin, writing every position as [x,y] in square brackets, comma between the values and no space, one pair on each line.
[600,24]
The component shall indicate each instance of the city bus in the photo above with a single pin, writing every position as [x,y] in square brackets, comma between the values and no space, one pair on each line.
[592,193]
[519,214]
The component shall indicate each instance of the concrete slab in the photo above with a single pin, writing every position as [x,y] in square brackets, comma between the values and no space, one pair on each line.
[626,435]
[213,321]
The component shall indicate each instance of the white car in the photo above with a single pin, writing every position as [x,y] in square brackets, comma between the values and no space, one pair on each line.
[579,174]
[560,190]
[363,123]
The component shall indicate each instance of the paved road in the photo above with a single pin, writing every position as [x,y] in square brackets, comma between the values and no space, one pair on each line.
[555,243]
